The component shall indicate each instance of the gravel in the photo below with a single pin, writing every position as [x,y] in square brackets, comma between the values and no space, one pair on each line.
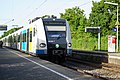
[107,71]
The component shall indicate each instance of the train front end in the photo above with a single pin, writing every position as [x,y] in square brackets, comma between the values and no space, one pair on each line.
[58,38]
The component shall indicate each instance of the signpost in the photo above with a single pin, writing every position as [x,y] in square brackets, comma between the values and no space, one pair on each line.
[117,23]
[3,27]
[94,30]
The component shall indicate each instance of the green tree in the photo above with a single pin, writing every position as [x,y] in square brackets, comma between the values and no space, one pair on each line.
[76,18]
[10,31]
[103,15]
[77,21]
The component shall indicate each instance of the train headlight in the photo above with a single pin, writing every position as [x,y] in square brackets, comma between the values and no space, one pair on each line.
[57,45]
[69,44]
[42,45]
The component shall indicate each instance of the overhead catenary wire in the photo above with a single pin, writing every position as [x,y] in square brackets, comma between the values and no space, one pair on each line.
[78,5]
[36,8]
[81,4]
[26,18]
[85,3]
[9,21]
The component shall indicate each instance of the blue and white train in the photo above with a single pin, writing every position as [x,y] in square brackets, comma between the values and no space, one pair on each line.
[43,36]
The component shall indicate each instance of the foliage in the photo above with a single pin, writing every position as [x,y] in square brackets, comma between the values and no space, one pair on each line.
[10,31]
[103,15]
[49,16]
[76,18]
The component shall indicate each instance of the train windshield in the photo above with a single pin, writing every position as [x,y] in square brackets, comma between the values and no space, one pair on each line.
[55,28]
[56,34]
[56,31]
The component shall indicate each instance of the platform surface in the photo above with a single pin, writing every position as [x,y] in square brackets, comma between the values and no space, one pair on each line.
[15,65]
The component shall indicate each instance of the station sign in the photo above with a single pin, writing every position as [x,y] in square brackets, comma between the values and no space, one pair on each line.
[114,29]
[111,43]
[3,27]
[92,29]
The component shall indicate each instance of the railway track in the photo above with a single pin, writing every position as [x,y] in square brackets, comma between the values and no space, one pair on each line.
[104,70]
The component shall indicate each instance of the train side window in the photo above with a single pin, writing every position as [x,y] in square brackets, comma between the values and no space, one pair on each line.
[9,39]
[5,39]
[24,37]
[21,38]
[34,32]
[18,38]
[14,37]
[30,36]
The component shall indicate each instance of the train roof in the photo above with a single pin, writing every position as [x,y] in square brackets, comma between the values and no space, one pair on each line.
[53,19]
[47,19]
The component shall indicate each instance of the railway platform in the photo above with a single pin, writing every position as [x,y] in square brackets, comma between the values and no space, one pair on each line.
[15,65]
[97,56]
[114,58]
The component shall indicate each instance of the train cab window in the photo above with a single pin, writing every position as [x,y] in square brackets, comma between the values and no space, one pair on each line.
[30,36]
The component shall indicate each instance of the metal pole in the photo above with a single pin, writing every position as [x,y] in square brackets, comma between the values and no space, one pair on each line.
[117,13]
[117,31]
[116,4]
[99,39]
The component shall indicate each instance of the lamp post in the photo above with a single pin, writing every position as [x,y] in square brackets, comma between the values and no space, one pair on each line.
[117,23]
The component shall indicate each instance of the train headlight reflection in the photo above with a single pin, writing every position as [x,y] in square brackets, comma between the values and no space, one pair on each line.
[42,45]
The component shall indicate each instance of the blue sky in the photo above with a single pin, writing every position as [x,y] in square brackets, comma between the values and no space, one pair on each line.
[23,10]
